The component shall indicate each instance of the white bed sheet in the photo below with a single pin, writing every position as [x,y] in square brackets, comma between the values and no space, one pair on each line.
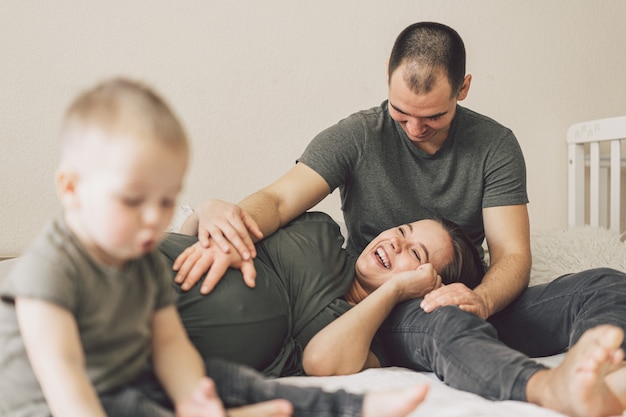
[441,401]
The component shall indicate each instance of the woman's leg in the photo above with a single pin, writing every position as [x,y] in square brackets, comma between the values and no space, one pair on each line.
[462,349]
[491,358]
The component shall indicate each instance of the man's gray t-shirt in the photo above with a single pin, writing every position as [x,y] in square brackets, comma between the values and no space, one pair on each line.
[385,180]
[113,309]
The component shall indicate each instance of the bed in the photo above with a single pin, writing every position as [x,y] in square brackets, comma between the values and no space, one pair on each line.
[596,208]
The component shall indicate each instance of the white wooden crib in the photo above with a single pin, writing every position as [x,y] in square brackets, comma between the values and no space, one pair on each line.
[605,172]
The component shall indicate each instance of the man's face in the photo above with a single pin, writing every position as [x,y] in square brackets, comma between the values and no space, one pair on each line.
[425,118]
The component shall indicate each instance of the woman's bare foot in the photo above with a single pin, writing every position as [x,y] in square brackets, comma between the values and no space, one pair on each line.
[616,380]
[578,386]
[273,408]
[397,403]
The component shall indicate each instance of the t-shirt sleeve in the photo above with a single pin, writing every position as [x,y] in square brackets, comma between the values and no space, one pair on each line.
[505,174]
[42,276]
[335,151]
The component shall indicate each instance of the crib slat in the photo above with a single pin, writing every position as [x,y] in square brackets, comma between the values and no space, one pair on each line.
[594,184]
[615,185]
[576,185]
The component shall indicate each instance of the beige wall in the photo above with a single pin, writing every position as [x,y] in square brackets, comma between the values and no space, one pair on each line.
[253,82]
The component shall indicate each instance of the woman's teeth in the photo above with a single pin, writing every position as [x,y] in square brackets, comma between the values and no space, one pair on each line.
[383,257]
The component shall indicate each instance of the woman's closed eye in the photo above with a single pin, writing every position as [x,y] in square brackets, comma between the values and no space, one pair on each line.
[414,252]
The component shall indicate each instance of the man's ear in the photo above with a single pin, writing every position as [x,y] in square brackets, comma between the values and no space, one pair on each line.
[66,183]
[464,87]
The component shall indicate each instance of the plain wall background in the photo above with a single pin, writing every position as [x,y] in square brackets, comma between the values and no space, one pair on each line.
[254,81]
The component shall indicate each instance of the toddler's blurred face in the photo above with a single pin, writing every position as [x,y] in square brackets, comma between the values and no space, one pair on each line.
[126,199]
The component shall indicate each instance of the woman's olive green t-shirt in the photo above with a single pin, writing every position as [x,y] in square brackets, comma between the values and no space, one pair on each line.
[302,274]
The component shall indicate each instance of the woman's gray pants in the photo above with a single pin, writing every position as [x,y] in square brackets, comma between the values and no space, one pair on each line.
[492,358]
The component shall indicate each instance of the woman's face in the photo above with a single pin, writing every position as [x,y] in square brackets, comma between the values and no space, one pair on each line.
[403,248]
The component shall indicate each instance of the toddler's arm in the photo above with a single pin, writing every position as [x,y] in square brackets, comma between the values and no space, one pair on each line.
[180,368]
[55,352]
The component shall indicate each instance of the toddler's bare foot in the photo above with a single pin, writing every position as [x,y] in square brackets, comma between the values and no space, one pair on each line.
[273,408]
[578,387]
[203,401]
[397,403]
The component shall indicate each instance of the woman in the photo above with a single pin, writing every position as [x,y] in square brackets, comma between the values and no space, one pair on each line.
[305,280]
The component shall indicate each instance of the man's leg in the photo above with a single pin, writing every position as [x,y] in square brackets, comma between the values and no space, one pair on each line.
[547,319]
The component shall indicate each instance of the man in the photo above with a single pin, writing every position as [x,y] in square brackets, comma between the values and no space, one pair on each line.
[392,167]
[420,153]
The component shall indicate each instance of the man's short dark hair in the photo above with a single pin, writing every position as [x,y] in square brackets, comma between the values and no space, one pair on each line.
[431,48]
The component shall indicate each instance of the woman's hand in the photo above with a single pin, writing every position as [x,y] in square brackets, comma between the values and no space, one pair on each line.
[417,283]
[229,226]
[196,260]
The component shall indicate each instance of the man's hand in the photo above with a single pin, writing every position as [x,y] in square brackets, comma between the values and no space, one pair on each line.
[196,260]
[456,294]
[229,226]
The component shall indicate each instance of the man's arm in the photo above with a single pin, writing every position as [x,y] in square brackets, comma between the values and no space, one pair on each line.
[507,230]
[269,208]
[291,195]
[52,342]
[227,224]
